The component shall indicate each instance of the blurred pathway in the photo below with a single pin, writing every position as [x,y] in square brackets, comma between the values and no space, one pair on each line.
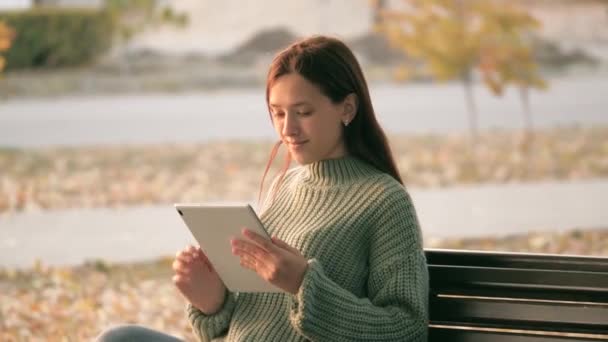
[129,234]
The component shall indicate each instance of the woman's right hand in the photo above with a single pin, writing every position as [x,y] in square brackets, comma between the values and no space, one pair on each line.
[198,282]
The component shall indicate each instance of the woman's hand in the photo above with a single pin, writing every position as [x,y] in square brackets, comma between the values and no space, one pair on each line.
[276,261]
[198,282]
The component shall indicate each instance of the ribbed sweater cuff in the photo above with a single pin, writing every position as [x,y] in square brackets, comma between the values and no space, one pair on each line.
[303,302]
[208,327]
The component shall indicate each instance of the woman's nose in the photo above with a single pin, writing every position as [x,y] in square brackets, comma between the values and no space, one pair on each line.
[290,125]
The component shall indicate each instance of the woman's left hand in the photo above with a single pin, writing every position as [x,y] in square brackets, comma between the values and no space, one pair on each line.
[275,261]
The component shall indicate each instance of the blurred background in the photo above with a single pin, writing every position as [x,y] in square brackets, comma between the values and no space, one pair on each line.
[113,110]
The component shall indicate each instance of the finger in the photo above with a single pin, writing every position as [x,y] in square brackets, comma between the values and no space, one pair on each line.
[180,253]
[184,272]
[247,263]
[240,247]
[200,262]
[184,257]
[184,253]
[259,262]
[199,254]
[180,280]
[284,245]
[245,254]
[187,264]
[195,256]
[191,249]
[178,267]
[187,250]
[259,240]
[202,258]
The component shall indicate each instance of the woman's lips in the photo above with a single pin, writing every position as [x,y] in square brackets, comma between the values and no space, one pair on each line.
[298,144]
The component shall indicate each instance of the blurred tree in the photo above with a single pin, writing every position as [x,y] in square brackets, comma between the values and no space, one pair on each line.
[7,35]
[454,38]
[444,35]
[507,56]
[135,16]
[378,7]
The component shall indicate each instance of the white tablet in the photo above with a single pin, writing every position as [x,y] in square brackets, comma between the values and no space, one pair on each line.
[213,226]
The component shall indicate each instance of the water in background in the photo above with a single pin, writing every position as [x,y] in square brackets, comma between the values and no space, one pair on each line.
[241,114]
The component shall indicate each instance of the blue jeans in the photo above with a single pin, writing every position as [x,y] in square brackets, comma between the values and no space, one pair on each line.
[134,333]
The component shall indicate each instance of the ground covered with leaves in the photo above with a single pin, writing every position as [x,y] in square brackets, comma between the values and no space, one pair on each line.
[111,176]
[75,303]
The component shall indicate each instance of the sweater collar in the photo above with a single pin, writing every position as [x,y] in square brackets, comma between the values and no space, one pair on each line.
[335,171]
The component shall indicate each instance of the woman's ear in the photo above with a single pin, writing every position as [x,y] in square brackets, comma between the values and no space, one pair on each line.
[350,108]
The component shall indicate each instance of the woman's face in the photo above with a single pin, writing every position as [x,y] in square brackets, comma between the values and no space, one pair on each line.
[308,123]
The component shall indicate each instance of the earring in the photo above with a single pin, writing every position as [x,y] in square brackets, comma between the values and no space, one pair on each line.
[346,123]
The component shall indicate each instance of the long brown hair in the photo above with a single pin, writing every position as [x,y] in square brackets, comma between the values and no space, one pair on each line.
[330,65]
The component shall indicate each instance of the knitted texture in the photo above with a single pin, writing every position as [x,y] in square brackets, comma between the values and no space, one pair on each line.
[367,278]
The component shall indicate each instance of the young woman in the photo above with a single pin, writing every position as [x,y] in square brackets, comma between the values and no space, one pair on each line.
[346,246]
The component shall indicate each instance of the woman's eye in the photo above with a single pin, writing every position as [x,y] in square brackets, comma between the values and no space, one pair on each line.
[304,113]
[279,114]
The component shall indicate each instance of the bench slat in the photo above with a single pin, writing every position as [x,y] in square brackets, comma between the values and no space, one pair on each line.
[509,314]
[520,278]
[516,260]
[437,334]
[527,293]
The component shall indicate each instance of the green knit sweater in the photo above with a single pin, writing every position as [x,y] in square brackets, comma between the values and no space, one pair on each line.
[367,278]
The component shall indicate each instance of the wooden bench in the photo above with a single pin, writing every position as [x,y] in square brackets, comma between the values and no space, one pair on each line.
[513,297]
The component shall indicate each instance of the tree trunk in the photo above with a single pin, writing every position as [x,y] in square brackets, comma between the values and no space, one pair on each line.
[524,95]
[471,106]
[528,137]
[377,9]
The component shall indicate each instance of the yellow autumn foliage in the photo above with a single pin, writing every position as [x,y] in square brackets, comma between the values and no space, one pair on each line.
[455,37]
[7,35]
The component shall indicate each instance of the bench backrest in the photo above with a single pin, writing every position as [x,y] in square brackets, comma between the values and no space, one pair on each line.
[504,297]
